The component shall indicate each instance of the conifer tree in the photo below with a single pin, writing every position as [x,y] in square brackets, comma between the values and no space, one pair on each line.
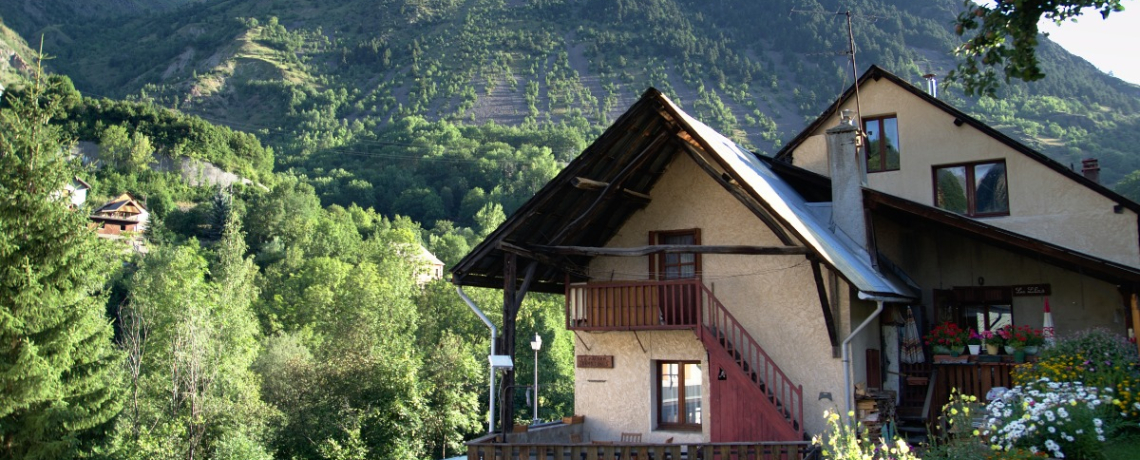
[58,365]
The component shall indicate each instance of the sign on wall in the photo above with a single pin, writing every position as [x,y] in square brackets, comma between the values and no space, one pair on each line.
[1031,289]
[596,361]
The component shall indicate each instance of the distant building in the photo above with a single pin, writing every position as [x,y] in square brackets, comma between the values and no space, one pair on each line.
[121,215]
[76,191]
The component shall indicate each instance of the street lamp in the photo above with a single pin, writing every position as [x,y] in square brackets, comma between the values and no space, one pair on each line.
[535,345]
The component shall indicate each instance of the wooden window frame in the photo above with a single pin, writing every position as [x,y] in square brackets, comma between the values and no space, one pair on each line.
[882,166]
[657,261]
[662,425]
[971,184]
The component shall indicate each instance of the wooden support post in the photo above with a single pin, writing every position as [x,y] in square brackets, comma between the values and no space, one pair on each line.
[1136,319]
[507,402]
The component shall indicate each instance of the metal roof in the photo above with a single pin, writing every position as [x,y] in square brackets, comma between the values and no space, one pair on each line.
[812,228]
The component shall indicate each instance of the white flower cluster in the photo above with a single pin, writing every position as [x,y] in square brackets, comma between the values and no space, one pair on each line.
[1043,413]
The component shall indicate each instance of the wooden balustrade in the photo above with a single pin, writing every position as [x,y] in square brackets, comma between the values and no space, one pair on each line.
[625,451]
[974,379]
[632,305]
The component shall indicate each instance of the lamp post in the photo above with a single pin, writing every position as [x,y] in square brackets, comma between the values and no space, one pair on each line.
[535,345]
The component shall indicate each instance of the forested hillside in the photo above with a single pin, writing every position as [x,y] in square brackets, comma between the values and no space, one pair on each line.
[282,319]
[310,77]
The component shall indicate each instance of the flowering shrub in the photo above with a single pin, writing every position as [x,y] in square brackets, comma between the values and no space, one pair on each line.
[1064,420]
[1098,358]
[841,441]
[957,441]
[947,335]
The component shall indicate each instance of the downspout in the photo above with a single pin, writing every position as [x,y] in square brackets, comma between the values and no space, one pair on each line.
[494,333]
[849,399]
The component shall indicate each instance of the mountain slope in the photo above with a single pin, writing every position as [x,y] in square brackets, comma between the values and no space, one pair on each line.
[335,70]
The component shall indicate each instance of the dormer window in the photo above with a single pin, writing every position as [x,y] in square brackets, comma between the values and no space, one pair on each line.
[972,189]
[882,143]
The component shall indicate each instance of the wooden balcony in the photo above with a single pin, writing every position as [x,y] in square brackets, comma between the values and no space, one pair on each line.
[487,449]
[635,305]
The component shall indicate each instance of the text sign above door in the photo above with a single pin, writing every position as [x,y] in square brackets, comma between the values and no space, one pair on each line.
[596,361]
[1031,289]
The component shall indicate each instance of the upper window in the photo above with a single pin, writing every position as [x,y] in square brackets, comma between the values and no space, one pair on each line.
[975,189]
[671,266]
[882,143]
[679,394]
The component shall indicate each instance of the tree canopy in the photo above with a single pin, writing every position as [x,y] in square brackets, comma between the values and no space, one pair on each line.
[1004,36]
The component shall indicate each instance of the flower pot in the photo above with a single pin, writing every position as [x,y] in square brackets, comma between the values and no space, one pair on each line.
[975,349]
[955,353]
[1009,349]
[991,349]
[1031,350]
[1019,355]
[940,350]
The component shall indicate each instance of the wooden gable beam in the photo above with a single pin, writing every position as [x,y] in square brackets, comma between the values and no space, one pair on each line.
[578,223]
[672,249]
[732,187]
[589,184]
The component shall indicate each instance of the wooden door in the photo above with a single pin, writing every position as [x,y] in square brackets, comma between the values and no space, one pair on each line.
[678,302]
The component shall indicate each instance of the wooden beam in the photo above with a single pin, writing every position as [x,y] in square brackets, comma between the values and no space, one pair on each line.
[590,184]
[1135,303]
[673,249]
[821,289]
[634,164]
[738,192]
[496,283]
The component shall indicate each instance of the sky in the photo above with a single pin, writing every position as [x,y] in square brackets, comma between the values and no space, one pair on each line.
[1107,44]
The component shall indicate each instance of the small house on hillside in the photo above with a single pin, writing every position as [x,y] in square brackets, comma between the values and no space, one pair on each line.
[120,215]
[76,192]
[429,268]
[720,296]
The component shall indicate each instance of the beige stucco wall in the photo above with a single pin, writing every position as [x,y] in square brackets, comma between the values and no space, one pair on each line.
[1078,301]
[1044,204]
[774,297]
[621,399]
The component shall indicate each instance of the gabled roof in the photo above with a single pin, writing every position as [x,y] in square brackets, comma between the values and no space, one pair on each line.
[632,154]
[83,185]
[124,203]
[877,73]
[809,182]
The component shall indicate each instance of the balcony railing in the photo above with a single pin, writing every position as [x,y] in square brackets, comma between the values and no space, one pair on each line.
[632,305]
[486,449]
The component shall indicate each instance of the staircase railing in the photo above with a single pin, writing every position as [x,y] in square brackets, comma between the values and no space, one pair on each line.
[723,328]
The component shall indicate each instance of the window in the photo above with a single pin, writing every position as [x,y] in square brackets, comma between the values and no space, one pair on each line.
[882,143]
[987,317]
[674,266]
[975,189]
[679,395]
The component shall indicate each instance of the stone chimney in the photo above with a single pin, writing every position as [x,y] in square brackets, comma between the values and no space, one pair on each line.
[848,176]
[1090,167]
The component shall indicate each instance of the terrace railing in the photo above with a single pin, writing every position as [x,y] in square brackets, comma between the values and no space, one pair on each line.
[486,450]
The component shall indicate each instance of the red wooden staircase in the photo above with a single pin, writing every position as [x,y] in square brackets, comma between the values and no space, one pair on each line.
[751,396]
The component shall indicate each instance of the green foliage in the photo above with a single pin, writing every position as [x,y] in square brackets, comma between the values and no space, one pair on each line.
[842,441]
[1006,37]
[60,371]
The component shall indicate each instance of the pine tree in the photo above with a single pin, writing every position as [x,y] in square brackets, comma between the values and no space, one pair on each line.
[58,365]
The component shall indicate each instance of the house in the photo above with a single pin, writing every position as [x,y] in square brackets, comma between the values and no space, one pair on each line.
[76,191]
[721,296]
[120,215]
[428,267]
